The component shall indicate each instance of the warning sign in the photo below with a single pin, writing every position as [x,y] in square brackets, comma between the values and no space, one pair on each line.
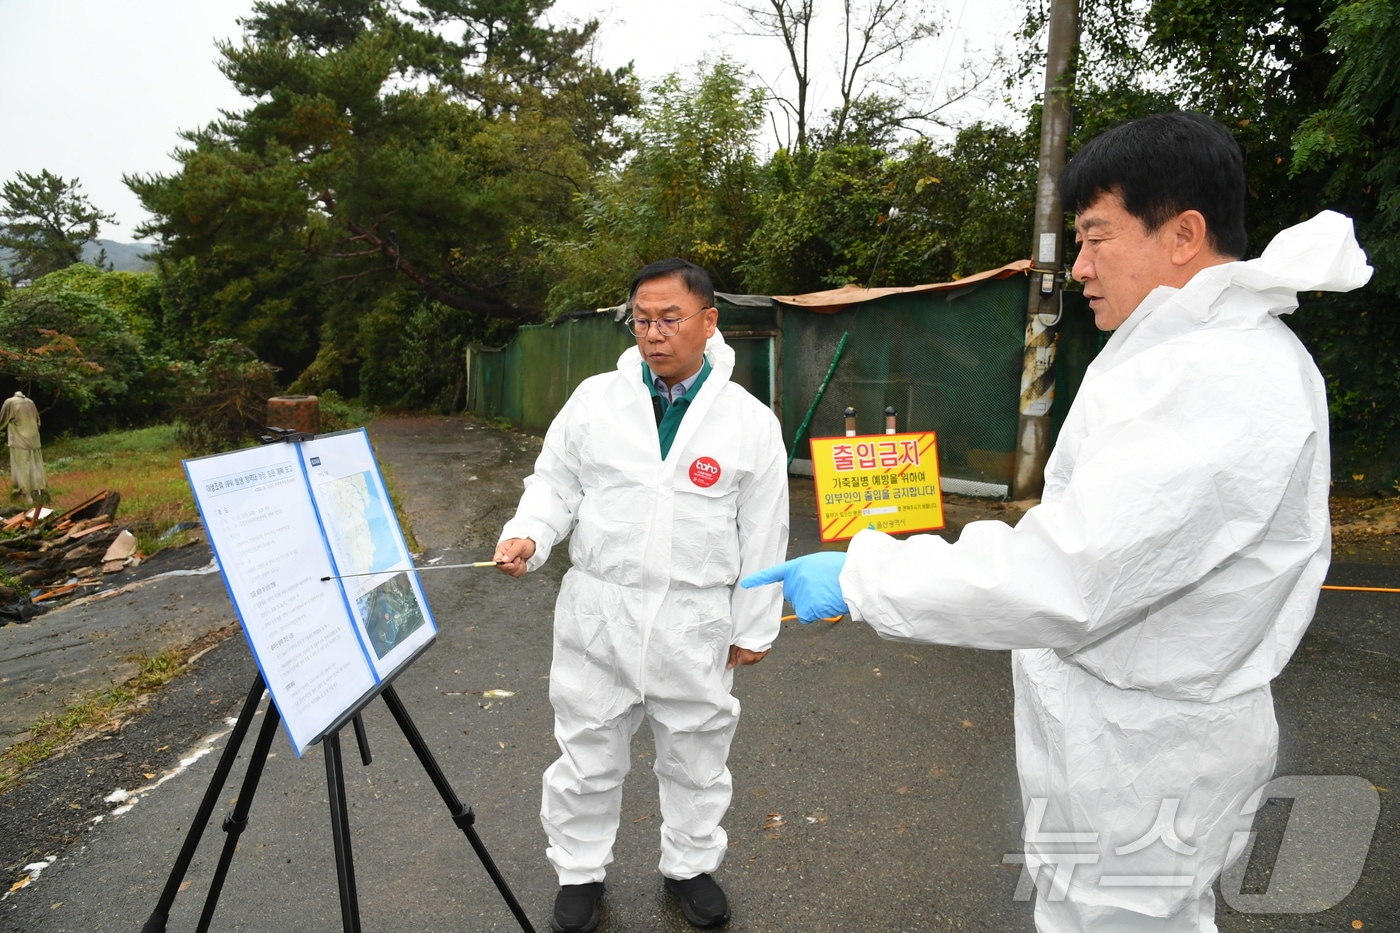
[888,482]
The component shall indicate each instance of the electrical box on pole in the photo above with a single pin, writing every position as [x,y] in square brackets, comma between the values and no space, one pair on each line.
[1047,252]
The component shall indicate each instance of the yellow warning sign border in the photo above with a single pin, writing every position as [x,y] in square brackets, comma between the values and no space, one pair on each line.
[824,471]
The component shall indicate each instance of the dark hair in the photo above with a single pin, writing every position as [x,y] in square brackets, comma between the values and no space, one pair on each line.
[1161,166]
[695,279]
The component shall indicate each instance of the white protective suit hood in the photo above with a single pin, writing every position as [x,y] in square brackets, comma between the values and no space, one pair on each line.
[719,353]
[1320,254]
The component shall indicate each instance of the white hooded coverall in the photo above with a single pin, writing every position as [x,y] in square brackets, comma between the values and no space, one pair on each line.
[647,612]
[1163,581]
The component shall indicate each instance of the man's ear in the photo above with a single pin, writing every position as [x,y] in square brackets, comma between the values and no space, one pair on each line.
[711,321]
[1189,237]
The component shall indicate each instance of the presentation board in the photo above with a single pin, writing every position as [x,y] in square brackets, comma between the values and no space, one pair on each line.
[282,517]
[888,482]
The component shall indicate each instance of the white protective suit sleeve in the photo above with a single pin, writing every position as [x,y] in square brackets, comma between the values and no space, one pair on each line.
[549,506]
[1178,479]
[1077,569]
[763,539]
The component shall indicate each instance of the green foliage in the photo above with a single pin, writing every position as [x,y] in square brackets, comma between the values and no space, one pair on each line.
[988,192]
[387,154]
[1354,139]
[1346,150]
[1312,94]
[415,352]
[75,341]
[687,191]
[914,213]
[336,414]
[224,398]
[856,208]
[823,228]
[44,222]
[133,297]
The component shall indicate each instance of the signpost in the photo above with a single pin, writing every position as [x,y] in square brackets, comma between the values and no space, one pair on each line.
[888,482]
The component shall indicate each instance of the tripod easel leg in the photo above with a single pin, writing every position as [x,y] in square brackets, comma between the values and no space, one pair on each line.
[157,921]
[237,821]
[340,833]
[362,739]
[462,814]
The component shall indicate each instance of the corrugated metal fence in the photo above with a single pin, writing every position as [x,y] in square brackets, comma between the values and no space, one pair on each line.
[946,361]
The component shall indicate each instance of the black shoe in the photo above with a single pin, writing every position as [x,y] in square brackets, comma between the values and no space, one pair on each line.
[702,900]
[576,907]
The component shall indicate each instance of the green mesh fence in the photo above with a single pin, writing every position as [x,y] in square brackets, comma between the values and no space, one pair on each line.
[529,381]
[946,361]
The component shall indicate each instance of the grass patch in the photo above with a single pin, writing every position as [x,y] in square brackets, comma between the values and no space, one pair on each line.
[500,422]
[94,712]
[396,500]
[142,464]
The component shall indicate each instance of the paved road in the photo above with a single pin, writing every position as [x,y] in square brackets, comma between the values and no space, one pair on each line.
[875,784]
[92,643]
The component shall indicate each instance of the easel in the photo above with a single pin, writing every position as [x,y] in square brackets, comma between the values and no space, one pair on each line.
[237,821]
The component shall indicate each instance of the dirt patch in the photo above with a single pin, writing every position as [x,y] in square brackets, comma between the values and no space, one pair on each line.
[1366,530]
[460,478]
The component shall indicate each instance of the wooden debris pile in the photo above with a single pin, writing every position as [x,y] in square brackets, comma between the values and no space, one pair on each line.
[61,554]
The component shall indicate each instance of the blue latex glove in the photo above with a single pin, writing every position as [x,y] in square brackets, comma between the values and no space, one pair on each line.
[812,583]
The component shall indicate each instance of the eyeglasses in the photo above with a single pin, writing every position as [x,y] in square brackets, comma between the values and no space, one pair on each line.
[666,326]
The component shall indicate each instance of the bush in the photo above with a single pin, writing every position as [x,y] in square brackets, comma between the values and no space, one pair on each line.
[336,414]
[225,398]
[73,341]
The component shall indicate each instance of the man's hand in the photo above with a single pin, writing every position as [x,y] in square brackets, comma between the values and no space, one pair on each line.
[512,553]
[739,657]
[812,584]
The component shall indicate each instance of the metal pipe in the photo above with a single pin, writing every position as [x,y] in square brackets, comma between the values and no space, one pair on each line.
[375,573]
[821,390]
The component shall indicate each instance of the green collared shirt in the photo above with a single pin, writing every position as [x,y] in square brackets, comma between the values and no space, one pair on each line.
[672,411]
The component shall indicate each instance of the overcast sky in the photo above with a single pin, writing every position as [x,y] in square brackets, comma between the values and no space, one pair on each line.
[94,89]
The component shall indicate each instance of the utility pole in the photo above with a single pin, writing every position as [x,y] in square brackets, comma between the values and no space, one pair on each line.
[1043,306]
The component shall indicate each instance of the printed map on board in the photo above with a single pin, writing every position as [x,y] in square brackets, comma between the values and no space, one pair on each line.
[364,534]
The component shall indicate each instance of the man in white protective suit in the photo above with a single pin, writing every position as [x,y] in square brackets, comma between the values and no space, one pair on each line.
[1171,567]
[673,481]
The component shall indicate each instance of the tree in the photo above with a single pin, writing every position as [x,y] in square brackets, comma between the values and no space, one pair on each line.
[1311,92]
[875,35]
[687,191]
[71,340]
[223,398]
[1355,137]
[1350,143]
[386,148]
[873,215]
[789,21]
[44,222]
[877,32]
